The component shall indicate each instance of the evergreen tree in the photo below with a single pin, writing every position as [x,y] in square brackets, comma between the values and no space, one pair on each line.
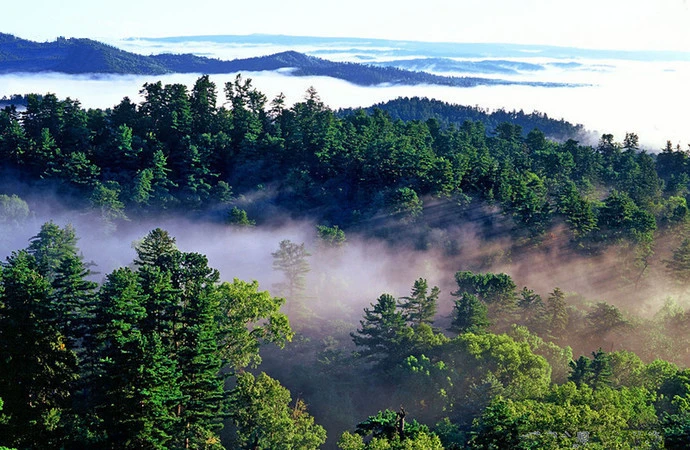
[39,368]
[238,217]
[469,315]
[203,106]
[679,265]
[291,260]
[383,336]
[595,372]
[138,383]
[332,237]
[420,306]
[496,291]
[161,196]
[51,246]
[157,249]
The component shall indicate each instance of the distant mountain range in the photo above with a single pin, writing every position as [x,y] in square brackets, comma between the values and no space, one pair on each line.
[367,47]
[84,56]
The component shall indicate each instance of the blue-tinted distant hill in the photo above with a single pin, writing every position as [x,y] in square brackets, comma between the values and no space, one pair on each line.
[71,56]
[85,56]
[395,49]
[493,66]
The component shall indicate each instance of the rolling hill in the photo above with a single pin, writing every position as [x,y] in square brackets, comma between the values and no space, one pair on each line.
[83,56]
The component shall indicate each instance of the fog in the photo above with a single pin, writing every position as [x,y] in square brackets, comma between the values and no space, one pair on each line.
[615,96]
[647,98]
[341,282]
[344,281]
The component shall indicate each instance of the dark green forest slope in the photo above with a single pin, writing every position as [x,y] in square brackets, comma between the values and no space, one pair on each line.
[423,109]
[165,353]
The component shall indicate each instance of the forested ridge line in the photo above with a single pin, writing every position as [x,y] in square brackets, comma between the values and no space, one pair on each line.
[178,150]
[164,353]
[87,56]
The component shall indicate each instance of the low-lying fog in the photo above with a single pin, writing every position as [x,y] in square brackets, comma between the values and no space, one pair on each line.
[343,281]
[647,98]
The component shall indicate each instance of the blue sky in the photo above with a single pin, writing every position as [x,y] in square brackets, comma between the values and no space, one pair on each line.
[610,24]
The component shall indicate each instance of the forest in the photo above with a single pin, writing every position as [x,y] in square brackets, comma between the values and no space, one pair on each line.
[560,321]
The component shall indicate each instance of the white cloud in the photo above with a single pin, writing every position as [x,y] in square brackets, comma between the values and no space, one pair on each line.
[619,24]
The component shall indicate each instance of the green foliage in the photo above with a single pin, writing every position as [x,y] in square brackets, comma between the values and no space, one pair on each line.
[570,417]
[557,314]
[389,430]
[13,210]
[595,372]
[404,203]
[179,151]
[332,237]
[383,336]
[496,291]
[420,306]
[143,365]
[248,318]
[39,367]
[51,246]
[106,199]
[679,265]
[2,420]
[490,288]
[145,361]
[291,260]
[519,372]
[578,211]
[558,358]
[621,217]
[262,417]
[238,217]
[469,315]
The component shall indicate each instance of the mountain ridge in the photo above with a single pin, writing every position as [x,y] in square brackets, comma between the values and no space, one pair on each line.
[431,49]
[82,56]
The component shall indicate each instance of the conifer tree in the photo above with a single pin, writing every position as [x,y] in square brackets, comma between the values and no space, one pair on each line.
[38,367]
[469,315]
[383,334]
[291,260]
[420,306]
[138,384]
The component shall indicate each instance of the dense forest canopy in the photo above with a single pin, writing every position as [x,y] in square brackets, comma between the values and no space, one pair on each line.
[168,352]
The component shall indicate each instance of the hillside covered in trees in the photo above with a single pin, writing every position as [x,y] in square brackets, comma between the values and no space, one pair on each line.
[423,109]
[167,352]
[86,56]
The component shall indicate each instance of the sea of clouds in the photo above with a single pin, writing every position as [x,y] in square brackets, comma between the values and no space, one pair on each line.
[649,98]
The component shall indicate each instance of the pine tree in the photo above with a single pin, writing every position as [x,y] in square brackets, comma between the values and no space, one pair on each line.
[156,249]
[138,383]
[197,351]
[679,265]
[469,315]
[39,369]
[384,334]
[291,260]
[51,246]
[557,314]
[420,306]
